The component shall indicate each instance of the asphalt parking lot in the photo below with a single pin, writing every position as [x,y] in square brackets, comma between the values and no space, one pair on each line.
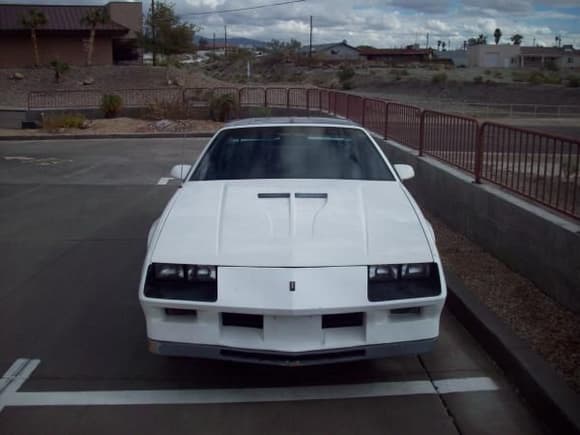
[74,217]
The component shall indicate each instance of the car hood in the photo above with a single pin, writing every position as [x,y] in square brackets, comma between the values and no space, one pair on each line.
[291,223]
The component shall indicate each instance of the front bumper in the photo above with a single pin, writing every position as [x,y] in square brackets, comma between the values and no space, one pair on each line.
[292,358]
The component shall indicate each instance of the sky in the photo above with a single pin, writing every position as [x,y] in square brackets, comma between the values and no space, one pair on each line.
[382,23]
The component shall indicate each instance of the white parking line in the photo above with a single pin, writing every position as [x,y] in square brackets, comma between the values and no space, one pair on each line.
[164,180]
[14,377]
[11,397]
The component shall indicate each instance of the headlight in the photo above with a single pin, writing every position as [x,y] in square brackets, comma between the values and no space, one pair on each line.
[403,281]
[191,282]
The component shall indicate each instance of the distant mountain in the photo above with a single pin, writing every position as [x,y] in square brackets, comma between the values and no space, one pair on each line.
[240,42]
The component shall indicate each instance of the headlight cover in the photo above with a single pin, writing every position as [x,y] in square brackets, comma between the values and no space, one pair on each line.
[190,282]
[403,281]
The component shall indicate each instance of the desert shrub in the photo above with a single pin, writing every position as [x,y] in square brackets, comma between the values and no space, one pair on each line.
[262,112]
[111,105]
[498,74]
[536,78]
[59,68]
[439,78]
[487,72]
[57,121]
[172,108]
[345,75]
[552,79]
[573,82]
[478,80]
[222,107]
[520,76]
[550,65]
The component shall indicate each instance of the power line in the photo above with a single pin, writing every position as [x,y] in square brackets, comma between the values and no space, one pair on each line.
[251,8]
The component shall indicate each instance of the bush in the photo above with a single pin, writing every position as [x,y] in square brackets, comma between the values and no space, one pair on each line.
[478,80]
[520,76]
[573,82]
[345,75]
[487,72]
[262,112]
[222,107]
[55,122]
[111,105]
[550,65]
[536,78]
[174,109]
[439,78]
[498,74]
[59,69]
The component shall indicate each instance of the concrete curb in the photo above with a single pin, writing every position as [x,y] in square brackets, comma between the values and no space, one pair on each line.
[547,393]
[107,136]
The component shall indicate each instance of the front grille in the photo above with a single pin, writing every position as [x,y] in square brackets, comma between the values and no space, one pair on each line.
[342,320]
[243,320]
[281,358]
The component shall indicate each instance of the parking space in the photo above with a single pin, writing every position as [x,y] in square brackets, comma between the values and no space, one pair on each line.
[73,237]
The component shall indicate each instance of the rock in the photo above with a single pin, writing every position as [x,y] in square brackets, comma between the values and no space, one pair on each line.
[180,83]
[17,76]
[169,82]
[89,81]
[86,124]
[163,124]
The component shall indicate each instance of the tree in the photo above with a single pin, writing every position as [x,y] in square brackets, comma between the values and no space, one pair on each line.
[164,32]
[439,45]
[33,19]
[93,18]
[558,40]
[497,35]
[443,45]
[59,69]
[481,39]
[517,39]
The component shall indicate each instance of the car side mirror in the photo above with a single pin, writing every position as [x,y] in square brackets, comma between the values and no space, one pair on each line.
[180,171]
[405,172]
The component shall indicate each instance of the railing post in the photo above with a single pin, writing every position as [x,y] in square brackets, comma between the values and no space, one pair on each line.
[308,101]
[478,163]
[265,97]
[364,111]
[347,106]
[421,132]
[386,132]
[287,98]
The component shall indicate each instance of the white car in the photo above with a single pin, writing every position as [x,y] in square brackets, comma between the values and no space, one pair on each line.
[292,241]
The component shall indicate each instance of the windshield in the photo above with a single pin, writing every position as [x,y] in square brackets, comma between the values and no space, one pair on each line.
[292,152]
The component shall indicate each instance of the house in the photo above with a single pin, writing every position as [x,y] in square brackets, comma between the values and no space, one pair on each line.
[538,57]
[65,38]
[457,57]
[333,51]
[397,55]
[515,56]
[493,56]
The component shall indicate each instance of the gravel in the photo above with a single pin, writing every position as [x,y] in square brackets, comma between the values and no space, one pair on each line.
[549,328]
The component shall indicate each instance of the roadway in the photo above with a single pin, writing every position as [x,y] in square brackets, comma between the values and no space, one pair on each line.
[74,217]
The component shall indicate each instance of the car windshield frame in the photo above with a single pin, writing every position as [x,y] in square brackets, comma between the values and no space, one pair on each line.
[359,159]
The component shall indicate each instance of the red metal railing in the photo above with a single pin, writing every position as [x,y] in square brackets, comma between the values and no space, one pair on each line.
[404,124]
[450,138]
[539,166]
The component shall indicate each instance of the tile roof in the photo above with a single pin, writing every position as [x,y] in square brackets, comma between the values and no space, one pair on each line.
[393,52]
[59,18]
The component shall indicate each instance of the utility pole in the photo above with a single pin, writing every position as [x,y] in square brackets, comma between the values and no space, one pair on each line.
[213,42]
[310,44]
[225,41]
[153,32]
[427,45]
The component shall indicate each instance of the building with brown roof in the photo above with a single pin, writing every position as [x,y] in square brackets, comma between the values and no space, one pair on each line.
[65,37]
[397,55]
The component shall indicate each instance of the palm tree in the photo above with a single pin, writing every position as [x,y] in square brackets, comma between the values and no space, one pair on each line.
[92,19]
[443,45]
[517,39]
[438,45]
[33,19]
[559,40]
[497,35]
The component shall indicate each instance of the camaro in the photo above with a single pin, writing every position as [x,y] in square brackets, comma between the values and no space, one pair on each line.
[292,241]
